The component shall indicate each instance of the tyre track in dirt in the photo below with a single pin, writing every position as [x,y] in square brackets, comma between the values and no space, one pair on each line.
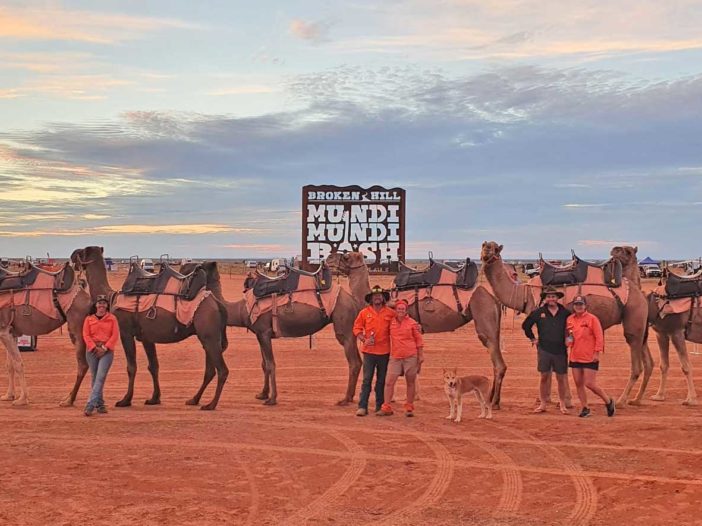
[254,493]
[445,465]
[585,506]
[336,490]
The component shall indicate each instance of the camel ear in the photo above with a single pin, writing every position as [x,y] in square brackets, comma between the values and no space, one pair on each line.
[102,250]
[636,250]
[499,249]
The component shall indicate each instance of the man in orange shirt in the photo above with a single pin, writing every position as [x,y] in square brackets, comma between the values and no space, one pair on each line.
[372,328]
[585,340]
[406,356]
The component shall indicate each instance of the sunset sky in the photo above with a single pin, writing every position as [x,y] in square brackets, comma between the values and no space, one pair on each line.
[190,127]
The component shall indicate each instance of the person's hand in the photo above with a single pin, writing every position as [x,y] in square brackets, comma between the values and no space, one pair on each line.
[596,358]
[100,351]
[534,342]
[361,338]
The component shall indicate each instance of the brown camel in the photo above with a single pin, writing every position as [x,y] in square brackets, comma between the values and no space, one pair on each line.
[300,320]
[633,316]
[483,308]
[34,323]
[209,325]
[671,327]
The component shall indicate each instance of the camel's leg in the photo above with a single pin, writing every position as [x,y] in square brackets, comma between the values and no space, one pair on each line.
[265,342]
[82,369]
[214,351]
[150,349]
[10,395]
[681,348]
[487,325]
[209,374]
[353,358]
[634,330]
[130,353]
[664,348]
[647,372]
[14,358]
[265,392]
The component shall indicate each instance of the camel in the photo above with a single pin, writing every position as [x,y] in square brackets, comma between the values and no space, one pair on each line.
[301,320]
[208,325]
[35,323]
[482,308]
[670,328]
[633,316]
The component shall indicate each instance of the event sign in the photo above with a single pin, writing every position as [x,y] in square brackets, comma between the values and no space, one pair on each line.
[351,218]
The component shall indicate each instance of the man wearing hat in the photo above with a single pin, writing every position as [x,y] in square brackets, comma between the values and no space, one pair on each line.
[100,332]
[372,328]
[552,355]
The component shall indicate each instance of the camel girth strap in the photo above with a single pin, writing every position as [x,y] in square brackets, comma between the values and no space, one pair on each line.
[325,316]
[459,305]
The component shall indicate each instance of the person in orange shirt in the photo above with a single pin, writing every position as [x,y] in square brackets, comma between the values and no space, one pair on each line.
[372,328]
[100,332]
[585,341]
[406,356]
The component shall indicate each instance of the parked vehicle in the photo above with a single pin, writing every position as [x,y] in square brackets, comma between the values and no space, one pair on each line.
[533,271]
[251,263]
[147,264]
[651,271]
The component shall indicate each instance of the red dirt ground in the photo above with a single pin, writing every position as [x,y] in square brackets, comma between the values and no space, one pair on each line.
[307,460]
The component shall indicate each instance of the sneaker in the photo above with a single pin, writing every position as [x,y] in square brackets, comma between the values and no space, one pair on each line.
[610,407]
[385,410]
[585,412]
[362,411]
[102,409]
[409,410]
[89,409]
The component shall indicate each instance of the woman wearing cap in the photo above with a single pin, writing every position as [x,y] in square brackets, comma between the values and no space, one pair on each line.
[100,332]
[585,340]
[406,356]
[372,328]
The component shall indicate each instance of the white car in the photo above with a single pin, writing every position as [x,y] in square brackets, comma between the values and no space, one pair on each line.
[251,264]
[652,271]
[147,264]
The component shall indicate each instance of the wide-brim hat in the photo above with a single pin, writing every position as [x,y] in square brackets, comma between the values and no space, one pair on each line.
[377,289]
[551,290]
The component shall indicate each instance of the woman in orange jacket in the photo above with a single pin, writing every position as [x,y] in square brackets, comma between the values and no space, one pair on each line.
[585,341]
[100,332]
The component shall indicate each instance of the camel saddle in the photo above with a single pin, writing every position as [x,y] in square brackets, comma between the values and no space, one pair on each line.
[140,282]
[63,278]
[580,271]
[464,277]
[293,280]
[683,286]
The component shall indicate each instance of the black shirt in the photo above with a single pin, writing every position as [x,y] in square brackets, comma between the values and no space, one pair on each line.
[551,328]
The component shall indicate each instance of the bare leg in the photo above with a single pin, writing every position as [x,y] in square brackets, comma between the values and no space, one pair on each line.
[563,392]
[591,384]
[579,379]
[681,348]
[664,348]
[544,391]
[151,355]
[411,380]
[390,381]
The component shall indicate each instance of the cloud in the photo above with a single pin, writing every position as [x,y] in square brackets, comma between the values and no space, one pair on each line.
[315,32]
[55,23]
[251,89]
[608,243]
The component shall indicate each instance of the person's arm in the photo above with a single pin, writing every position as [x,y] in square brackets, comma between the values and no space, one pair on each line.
[599,334]
[418,341]
[89,342]
[528,324]
[112,340]
[358,327]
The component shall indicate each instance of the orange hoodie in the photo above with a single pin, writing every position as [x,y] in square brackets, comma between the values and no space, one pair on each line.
[588,337]
[406,336]
[104,330]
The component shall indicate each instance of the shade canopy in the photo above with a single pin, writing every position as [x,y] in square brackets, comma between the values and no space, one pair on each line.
[648,261]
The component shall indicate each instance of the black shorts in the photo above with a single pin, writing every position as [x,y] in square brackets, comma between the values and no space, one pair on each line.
[547,362]
[587,365]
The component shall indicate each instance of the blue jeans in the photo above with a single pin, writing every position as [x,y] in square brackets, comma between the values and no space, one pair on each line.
[98,369]
[371,364]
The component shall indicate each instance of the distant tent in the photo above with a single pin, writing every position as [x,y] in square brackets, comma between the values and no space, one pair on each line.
[648,261]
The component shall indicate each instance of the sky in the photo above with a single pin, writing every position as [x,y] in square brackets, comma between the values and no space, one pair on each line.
[189,128]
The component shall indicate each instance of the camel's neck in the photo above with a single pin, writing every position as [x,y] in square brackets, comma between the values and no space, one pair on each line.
[631,272]
[359,283]
[97,279]
[510,293]
[237,315]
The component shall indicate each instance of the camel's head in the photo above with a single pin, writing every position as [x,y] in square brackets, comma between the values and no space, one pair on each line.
[490,252]
[82,257]
[625,254]
[344,262]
